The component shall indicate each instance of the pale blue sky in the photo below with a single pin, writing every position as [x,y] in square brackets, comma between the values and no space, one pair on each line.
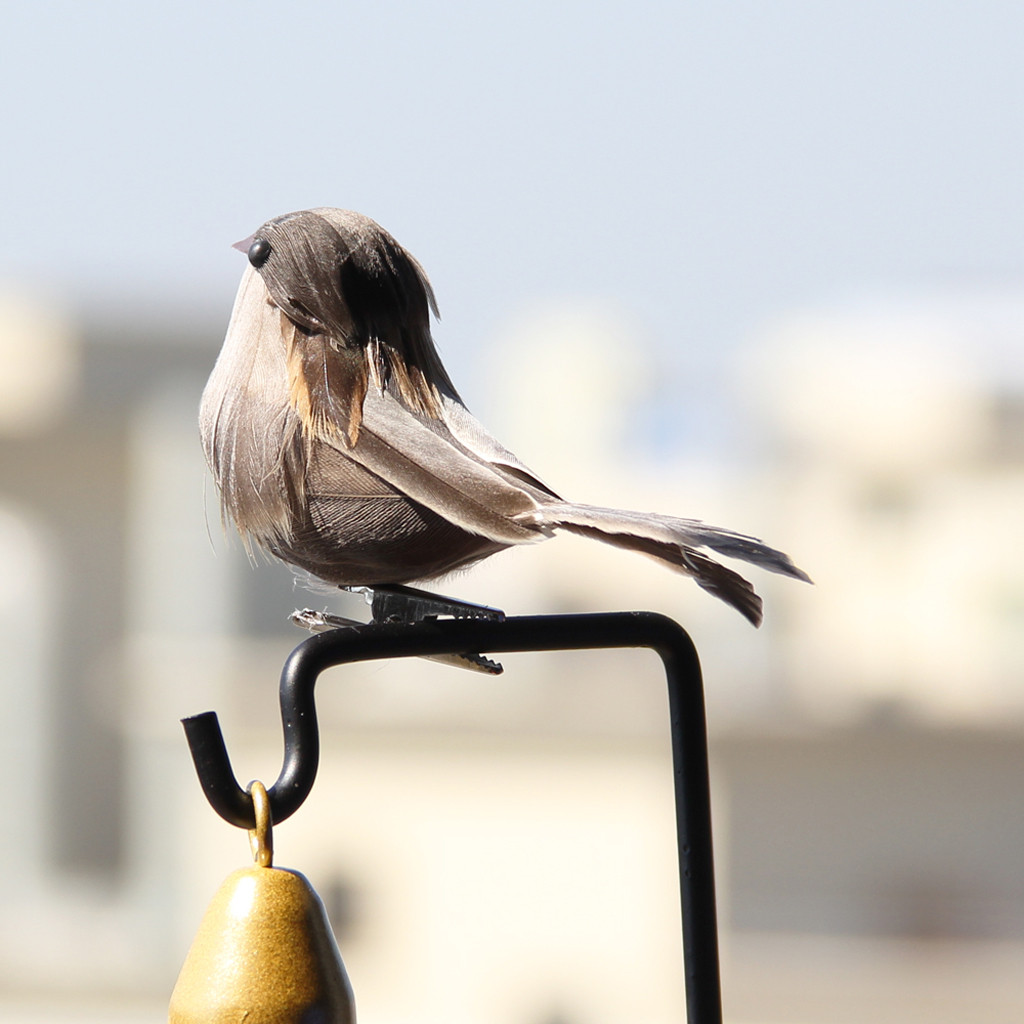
[701,166]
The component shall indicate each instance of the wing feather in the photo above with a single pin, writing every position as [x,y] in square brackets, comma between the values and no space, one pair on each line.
[423,460]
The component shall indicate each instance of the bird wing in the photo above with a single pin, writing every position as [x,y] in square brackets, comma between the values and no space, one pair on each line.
[423,459]
[472,434]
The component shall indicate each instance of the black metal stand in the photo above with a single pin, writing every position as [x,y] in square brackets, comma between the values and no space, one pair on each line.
[526,633]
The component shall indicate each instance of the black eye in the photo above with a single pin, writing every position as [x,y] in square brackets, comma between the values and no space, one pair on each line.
[259,252]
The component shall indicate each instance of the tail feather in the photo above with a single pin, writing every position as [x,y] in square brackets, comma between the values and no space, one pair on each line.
[675,542]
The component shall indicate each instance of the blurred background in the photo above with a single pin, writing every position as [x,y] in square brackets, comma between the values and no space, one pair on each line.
[757,263]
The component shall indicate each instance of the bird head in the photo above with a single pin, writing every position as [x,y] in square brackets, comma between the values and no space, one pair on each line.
[360,308]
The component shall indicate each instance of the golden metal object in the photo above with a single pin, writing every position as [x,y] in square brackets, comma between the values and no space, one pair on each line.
[264,953]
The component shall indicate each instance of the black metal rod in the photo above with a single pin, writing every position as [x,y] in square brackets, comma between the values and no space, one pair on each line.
[517,634]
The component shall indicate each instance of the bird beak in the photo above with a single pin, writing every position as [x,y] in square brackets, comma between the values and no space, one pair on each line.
[243,245]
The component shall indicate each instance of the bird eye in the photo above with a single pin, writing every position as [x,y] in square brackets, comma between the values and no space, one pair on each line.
[259,252]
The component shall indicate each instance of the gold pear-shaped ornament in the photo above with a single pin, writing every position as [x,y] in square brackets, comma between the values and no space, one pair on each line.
[264,953]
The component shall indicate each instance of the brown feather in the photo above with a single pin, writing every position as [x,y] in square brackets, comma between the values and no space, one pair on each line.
[326,384]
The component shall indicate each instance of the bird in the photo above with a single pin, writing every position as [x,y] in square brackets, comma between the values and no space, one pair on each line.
[340,445]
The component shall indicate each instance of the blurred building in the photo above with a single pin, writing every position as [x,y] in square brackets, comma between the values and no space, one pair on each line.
[898,433]
[502,849]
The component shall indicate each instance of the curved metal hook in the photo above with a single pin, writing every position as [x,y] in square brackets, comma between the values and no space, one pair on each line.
[364,643]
